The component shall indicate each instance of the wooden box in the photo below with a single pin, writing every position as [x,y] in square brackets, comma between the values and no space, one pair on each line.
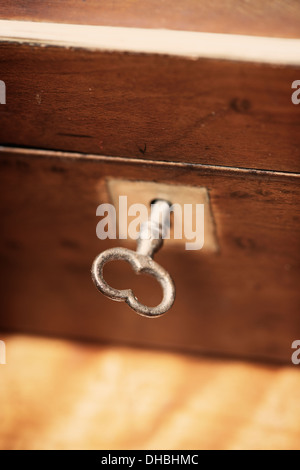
[203,102]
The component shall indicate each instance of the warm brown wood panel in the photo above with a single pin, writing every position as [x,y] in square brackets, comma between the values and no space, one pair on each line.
[149,106]
[122,398]
[243,301]
[279,18]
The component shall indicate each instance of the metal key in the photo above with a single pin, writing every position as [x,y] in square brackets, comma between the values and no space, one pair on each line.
[149,242]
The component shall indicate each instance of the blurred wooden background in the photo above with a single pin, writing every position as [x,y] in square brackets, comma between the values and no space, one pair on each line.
[58,394]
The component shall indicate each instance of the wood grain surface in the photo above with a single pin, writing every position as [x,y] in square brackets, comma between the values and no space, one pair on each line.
[148,106]
[279,18]
[242,301]
[65,395]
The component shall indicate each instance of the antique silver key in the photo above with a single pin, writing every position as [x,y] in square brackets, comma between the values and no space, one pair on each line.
[150,240]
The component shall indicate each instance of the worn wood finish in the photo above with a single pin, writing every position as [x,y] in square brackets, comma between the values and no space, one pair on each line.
[242,301]
[187,44]
[279,18]
[149,106]
[64,395]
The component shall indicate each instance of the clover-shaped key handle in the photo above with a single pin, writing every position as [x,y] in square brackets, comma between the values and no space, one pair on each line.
[150,240]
